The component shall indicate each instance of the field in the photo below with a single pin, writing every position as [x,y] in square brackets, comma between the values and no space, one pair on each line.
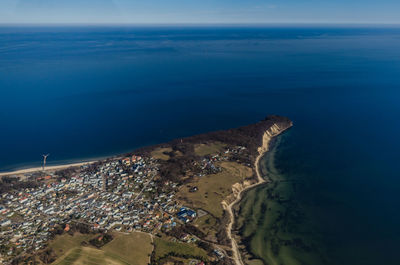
[209,149]
[159,153]
[65,242]
[214,188]
[164,247]
[162,153]
[207,224]
[88,255]
[134,248]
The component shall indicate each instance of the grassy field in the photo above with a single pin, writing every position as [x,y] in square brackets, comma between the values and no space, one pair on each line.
[133,249]
[207,224]
[164,247]
[176,260]
[255,262]
[213,189]
[89,256]
[159,153]
[64,243]
[209,149]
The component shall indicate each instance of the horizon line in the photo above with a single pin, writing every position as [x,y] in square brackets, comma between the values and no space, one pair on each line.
[145,24]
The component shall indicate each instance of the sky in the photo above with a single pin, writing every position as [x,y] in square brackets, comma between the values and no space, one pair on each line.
[200,11]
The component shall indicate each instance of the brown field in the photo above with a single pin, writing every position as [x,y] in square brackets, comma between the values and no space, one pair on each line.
[207,224]
[164,247]
[214,188]
[88,256]
[209,149]
[159,153]
[64,243]
[134,248]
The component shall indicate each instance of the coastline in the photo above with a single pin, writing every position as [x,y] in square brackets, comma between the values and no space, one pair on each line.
[272,132]
[48,168]
[246,146]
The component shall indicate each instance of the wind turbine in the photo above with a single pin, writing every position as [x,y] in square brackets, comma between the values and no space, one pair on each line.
[44,161]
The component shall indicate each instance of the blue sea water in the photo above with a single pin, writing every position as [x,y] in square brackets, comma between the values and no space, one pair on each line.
[85,92]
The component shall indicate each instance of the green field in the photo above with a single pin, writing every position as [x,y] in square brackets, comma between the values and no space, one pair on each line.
[133,249]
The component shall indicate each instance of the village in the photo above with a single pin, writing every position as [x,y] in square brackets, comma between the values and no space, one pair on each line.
[124,194]
[107,199]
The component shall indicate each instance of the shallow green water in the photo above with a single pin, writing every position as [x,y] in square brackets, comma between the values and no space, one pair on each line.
[272,221]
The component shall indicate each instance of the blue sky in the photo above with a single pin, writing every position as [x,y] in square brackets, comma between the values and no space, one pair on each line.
[199,11]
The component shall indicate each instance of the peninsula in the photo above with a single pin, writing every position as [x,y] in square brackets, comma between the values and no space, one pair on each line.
[165,204]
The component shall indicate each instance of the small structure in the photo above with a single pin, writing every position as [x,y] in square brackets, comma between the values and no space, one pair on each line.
[193,189]
[44,161]
[186,215]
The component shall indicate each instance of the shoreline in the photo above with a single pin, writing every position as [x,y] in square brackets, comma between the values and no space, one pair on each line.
[63,163]
[262,150]
[257,138]
[48,168]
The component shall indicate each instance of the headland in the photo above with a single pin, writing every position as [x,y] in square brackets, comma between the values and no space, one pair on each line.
[180,193]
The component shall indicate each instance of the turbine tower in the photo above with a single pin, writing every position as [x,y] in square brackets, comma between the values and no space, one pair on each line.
[44,161]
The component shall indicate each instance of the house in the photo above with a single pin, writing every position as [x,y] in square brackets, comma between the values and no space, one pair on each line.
[191,213]
[5,222]
[184,212]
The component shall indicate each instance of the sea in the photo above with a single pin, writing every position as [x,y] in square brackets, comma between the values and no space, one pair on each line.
[85,92]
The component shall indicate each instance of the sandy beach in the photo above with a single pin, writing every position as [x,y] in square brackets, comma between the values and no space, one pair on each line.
[268,135]
[48,168]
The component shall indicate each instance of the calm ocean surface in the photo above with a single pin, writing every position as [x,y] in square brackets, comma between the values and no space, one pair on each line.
[86,92]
